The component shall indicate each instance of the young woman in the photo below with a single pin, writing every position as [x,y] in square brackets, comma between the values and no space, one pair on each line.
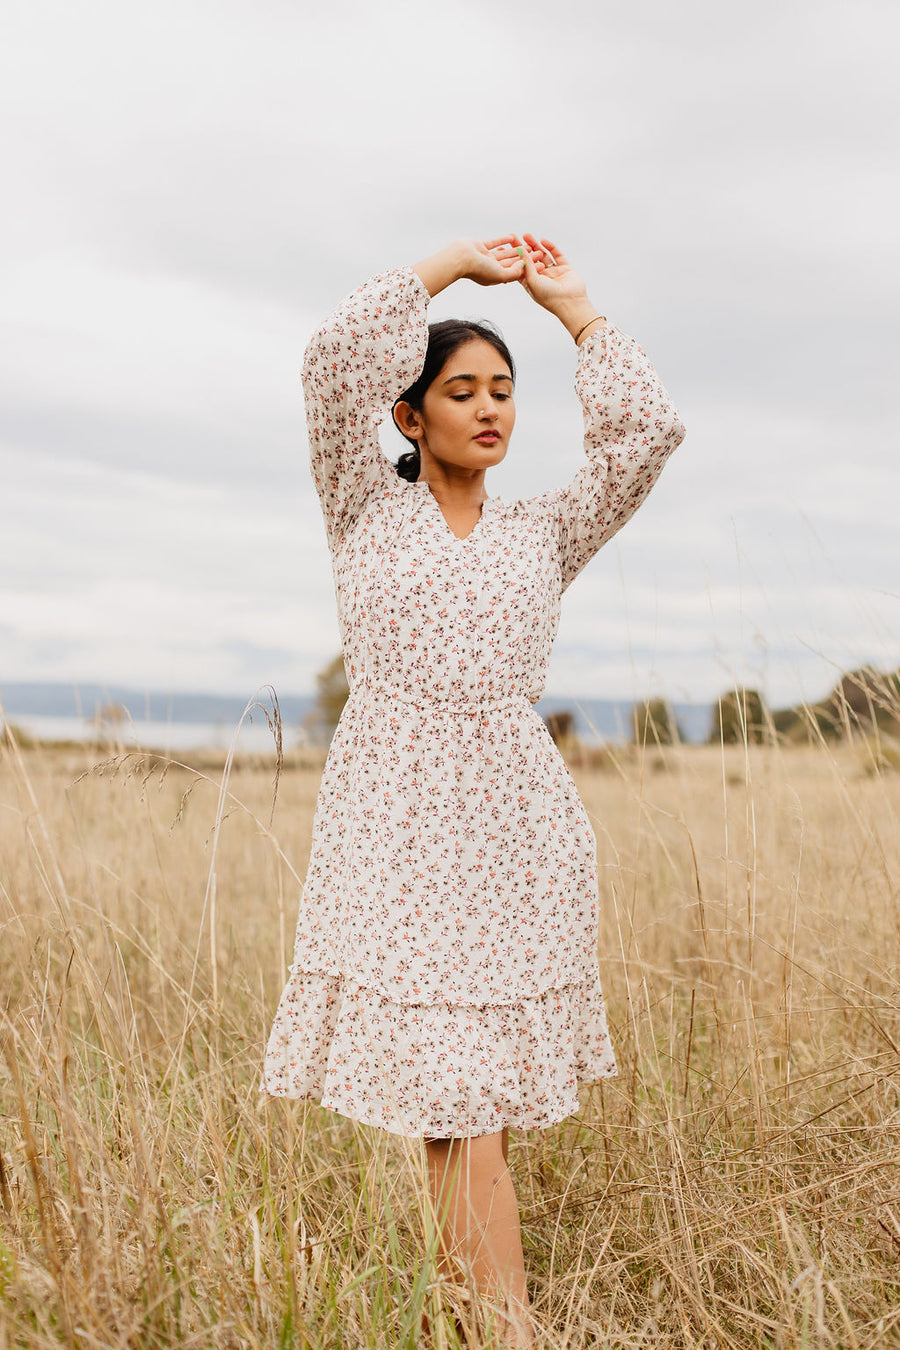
[445,979]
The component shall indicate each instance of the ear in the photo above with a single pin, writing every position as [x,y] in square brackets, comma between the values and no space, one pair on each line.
[408,422]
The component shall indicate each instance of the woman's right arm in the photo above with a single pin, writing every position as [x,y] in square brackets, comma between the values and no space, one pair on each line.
[367,352]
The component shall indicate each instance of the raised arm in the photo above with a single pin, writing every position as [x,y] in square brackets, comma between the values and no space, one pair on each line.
[367,352]
[631,425]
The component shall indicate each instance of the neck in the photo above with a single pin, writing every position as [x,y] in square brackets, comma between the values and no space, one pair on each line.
[456,488]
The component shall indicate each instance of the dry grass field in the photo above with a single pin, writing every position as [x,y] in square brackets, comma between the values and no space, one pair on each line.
[737,1185]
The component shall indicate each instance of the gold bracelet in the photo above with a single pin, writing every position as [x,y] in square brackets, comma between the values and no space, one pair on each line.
[595,319]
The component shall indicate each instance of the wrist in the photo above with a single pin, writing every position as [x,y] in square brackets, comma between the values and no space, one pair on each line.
[577,316]
[442,268]
[588,329]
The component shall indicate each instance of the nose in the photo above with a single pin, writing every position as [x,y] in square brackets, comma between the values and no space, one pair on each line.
[487,413]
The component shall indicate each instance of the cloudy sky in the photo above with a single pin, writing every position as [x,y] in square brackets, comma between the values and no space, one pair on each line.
[190,185]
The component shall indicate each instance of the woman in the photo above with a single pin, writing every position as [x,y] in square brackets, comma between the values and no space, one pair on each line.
[445,980]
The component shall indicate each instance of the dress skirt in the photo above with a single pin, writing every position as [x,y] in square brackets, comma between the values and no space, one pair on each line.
[437,1069]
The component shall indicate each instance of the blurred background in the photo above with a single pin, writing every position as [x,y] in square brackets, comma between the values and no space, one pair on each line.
[191,186]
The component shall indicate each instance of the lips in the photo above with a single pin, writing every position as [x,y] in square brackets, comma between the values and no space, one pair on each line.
[488,437]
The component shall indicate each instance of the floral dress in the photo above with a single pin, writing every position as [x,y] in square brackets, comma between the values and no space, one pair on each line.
[445,975]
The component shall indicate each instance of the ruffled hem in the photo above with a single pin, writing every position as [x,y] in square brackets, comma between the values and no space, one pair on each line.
[438,1069]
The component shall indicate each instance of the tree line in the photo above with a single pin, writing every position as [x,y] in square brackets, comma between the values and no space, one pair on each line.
[863,700]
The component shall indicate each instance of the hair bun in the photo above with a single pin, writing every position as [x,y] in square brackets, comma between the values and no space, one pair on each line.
[409,465]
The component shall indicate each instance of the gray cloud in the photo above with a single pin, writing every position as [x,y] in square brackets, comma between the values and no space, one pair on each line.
[194,188]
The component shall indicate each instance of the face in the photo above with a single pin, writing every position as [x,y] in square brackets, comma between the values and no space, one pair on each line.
[468,411]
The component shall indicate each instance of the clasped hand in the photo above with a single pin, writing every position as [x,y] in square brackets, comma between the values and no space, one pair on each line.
[541,268]
[537,264]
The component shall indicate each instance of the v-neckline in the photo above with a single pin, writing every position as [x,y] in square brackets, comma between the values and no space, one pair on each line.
[457,538]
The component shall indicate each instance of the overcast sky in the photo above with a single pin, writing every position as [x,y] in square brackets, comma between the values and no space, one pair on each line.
[190,186]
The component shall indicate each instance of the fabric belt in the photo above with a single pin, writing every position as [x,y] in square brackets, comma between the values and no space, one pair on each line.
[425,703]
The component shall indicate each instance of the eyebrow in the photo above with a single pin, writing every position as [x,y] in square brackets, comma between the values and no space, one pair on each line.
[473,378]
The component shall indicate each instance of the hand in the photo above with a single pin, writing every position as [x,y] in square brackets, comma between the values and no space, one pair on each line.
[553,283]
[549,277]
[541,267]
[491,262]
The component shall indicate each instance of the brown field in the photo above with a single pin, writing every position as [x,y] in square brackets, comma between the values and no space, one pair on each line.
[737,1185]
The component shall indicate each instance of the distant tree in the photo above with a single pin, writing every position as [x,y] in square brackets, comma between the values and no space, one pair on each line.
[791,724]
[561,726]
[740,716]
[867,696]
[863,700]
[333,691]
[653,723]
[563,729]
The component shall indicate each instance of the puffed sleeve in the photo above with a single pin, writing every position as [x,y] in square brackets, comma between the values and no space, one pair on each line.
[359,361]
[631,427]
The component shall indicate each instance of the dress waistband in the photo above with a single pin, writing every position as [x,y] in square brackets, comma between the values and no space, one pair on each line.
[425,702]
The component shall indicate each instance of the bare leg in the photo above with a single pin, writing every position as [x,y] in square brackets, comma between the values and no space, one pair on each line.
[478,1216]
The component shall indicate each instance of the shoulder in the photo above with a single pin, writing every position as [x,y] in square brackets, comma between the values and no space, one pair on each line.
[540,506]
[536,515]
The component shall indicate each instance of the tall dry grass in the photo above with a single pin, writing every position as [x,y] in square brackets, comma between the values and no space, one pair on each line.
[736,1185]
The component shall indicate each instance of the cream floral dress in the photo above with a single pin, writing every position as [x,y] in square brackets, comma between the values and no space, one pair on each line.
[445,976]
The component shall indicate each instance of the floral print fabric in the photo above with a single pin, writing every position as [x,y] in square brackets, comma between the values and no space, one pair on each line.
[445,977]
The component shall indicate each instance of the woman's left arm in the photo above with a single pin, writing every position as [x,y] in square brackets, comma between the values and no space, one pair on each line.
[631,425]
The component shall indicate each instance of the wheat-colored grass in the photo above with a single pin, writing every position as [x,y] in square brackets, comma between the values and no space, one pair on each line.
[737,1184]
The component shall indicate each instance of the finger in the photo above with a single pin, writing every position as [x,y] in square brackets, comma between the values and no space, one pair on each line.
[531,273]
[534,249]
[541,250]
[502,239]
[543,253]
[514,268]
[539,258]
[512,258]
[518,254]
[556,253]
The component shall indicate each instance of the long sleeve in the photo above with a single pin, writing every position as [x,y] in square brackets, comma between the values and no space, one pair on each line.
[360,360]
[630,428]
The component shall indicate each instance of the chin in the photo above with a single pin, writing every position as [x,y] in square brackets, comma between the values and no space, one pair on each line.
[495,455]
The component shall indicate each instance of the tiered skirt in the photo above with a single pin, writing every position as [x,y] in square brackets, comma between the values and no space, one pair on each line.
[437,1069]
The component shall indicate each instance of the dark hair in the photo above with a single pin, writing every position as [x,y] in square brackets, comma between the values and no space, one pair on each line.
[444,339]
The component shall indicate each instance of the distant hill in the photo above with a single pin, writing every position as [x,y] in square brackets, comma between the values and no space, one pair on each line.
[85,700]
[595,719]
